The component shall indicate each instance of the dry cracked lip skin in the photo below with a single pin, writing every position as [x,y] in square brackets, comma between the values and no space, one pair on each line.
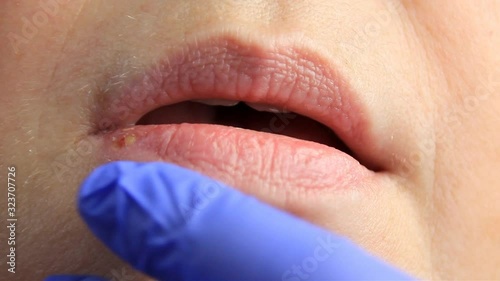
[230,69]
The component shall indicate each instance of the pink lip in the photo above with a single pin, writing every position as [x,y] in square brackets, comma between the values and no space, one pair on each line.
[230,69]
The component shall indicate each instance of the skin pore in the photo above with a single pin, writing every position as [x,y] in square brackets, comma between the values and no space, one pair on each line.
[426,71]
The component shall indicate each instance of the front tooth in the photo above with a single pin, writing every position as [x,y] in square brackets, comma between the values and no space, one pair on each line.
[268,108]
[217,102]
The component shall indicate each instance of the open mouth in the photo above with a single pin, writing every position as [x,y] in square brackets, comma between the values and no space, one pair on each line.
[260,117]
[257,117]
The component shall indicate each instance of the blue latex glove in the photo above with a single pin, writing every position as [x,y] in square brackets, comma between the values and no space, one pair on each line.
[175,224]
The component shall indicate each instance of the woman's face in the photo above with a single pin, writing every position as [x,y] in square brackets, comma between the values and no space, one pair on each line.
[410,87]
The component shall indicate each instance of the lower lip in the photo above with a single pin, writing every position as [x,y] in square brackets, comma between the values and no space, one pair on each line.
[242,158]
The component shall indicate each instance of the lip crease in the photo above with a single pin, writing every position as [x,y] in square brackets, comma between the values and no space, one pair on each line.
[228,68]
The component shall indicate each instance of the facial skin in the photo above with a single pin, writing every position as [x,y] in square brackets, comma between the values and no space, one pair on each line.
[427,72]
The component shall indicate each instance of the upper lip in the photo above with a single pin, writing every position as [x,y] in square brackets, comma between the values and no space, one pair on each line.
[283,76]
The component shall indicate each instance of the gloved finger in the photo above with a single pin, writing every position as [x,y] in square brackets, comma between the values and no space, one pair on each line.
[176,224]
[74,278]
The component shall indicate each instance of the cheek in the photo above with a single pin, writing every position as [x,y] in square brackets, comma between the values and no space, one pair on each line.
[35,36]
[32,22]
[51,238]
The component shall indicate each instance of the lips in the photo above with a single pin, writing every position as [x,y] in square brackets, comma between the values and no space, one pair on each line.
[230,70]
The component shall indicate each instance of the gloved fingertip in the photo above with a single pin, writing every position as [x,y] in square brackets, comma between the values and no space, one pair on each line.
[103,178]
[175,224]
